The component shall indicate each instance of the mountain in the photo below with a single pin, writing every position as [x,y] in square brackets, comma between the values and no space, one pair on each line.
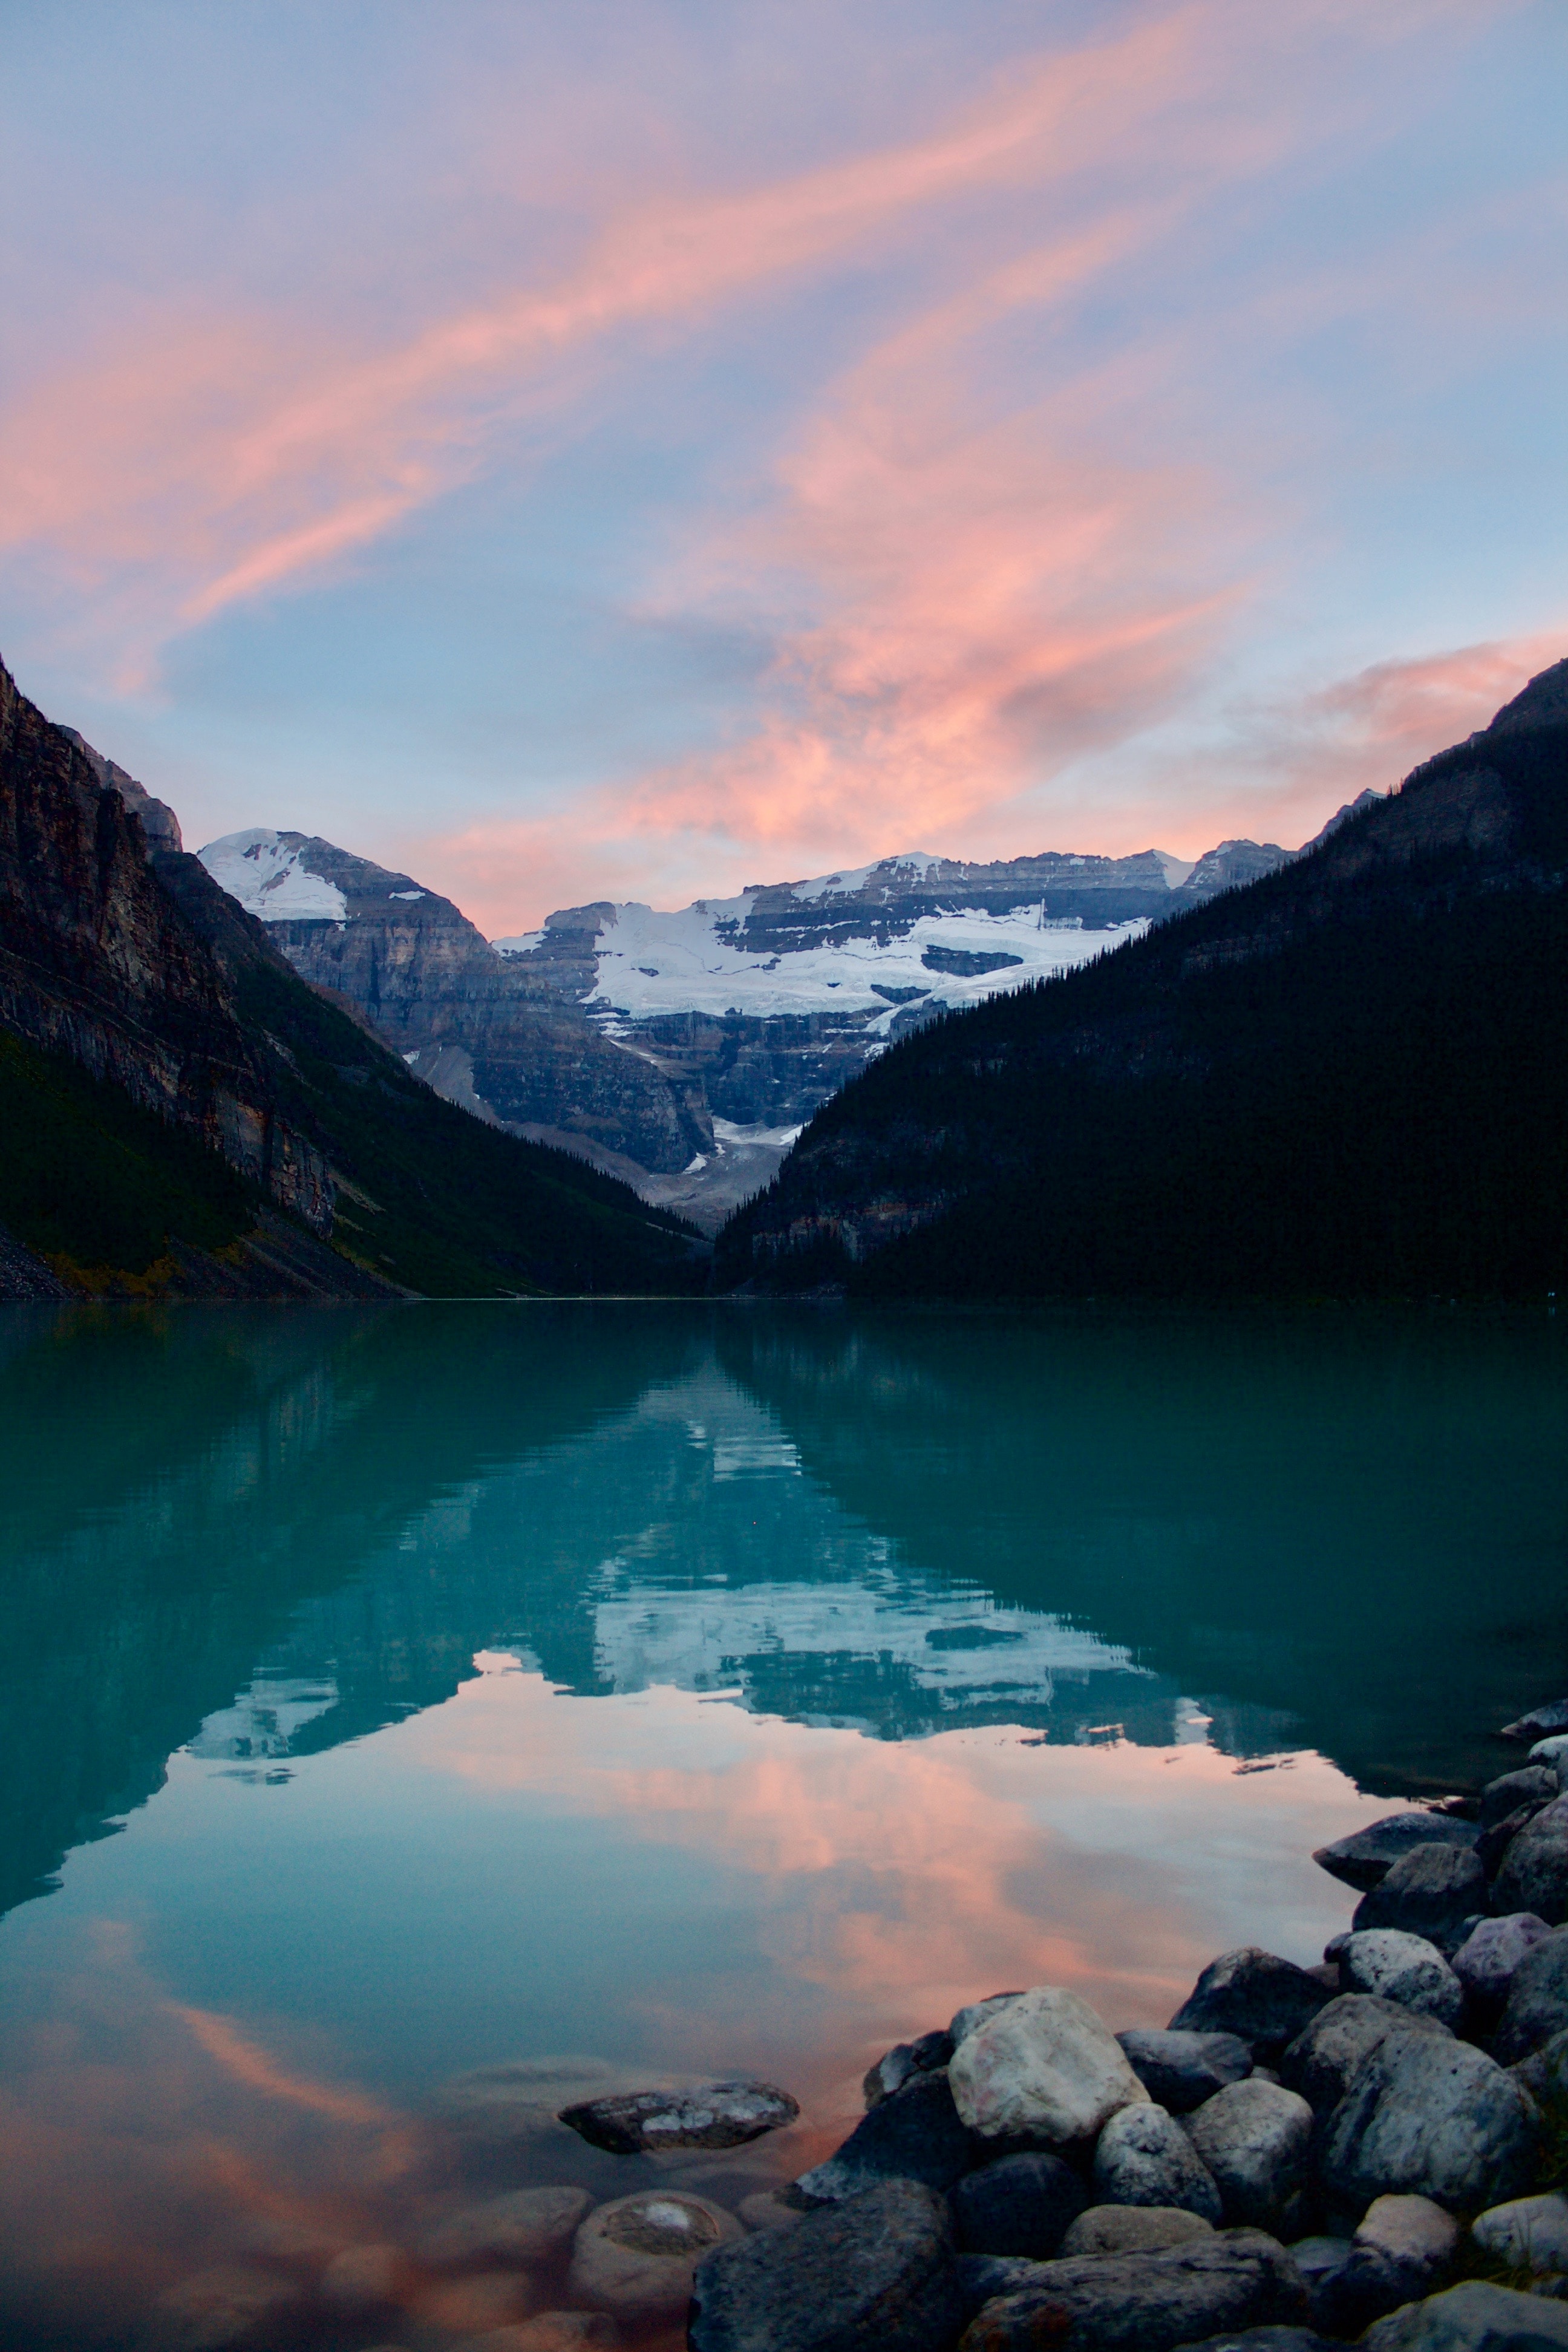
[181,1114]
[683,1051]
[1347,1077]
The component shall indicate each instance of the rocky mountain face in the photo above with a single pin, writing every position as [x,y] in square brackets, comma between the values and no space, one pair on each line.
[684,1050]
[1349,1075]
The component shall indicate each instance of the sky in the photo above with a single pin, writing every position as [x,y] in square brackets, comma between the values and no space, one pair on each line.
[640,448]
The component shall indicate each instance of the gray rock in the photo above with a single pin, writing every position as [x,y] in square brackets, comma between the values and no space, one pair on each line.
[1491,1849]
[1020,2207]
[712,2115]
[1364,1857]
[916,2135]
[1262,2339]
[1474,2317]
[1487,1960]
[1142,2157]
[1133,2229]
[1545,2073]
[1262,1999]
[1554,1752]
[1540,1723]
[635,2256]
[1045,2068]
[1405,2247]
[1525,1786]
[1430,1892]
[1415,2233]
[1180,2070]
[1362,2286]
[531,2225]
[1321,2062]
[895,2066]
[1530,2233]
[1430,2117]
[1405,1968]
[1146,2302]
[981,2277]
[874,2274]
[1534,1873]
[1253,2138]
[1537,2004]
[975,2012]
[221,2310]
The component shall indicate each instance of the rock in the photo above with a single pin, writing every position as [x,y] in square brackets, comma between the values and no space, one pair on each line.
[914,2136]
[1473,2317]
[531,2225]
[1430,1892]
[765,2209]
[1180,2070]
[1412,2231]
[217,2309]
[1262,1999]
[547,2331]
[510,2105]
[1253,2138]
[1044,2068]
[1553,1753]
[975,2012]
[365,2278]
[1545,2073]
[1432,2117]
[1534,1873]
[635,2256]
[474,2305]
[1406,1969]
[1363,2285]
[1487,1960]
[1133,2229]
[894,2068]
[1491,1849]
[1537,2004]
[983,2277]
[1262,2339]
[1528,2233]
[1531,1783]
[1321,2062]
[873,2274]
[1363,1857]
[713,2115]
[1019,2207]
[1404,2248]
[1144,2158]
[1146,2302]
[1541,1723]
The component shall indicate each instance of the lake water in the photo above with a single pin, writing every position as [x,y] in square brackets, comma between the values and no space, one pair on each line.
[389,1694]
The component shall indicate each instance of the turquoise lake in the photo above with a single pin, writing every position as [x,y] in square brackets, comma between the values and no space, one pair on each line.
[629,1691]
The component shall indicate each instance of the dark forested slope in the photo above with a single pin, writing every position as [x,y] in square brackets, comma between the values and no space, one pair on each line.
[179,1112]
[1350,1077]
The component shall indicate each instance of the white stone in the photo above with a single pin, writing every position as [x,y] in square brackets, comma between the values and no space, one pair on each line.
[1405,1968]
[1528,2233]
[1254,2138]
[1411,2230]
[635,2256]
[1046,2067]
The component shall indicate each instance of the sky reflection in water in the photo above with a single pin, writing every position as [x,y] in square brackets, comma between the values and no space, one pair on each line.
[691,1690]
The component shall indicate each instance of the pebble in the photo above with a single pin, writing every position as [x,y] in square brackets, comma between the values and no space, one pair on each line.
[1142,2157]
[1180,2070]
[712,2115]
[1253,2138]
[1405,1968]
[635,2256]
[1262,1999]
[1044,2068]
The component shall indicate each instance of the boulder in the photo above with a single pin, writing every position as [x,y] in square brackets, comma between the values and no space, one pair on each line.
[531,2225]
[1262,2339]
[873,2274]
[1321,2062]
[1474,2317]
[1431,1892]
[1528,2233]
[983,2277]
[1360,2287]
[916,2135]
[1537,2004]
[1487,1960]
[1403,2247]
[1545,2073]
[1429,2116]
[1146,2302]
[895,2067]
[1133,2229]
[1043,2068]
[1142,2157]
[1180,2070]
[713,2115]
[1253,2138]
[1540,1723]
[1530,1784]
[1262,2000]
[221,2310]
[975,2012]
[1019,2207]
[1554,1752]
[1363,1857]
[1415,2233]
[635,2256]
[1403,1968]
[1492,1847]
[1534,1873]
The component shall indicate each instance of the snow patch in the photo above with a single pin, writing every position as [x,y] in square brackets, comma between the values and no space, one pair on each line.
[262,869]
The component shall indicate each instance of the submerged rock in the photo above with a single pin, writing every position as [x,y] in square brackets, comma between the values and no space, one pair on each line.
[1431,1892]
[874,2274]
[1405,1968]
[1142,2157]
[1253,2138]
[635,2256]
[1366,1855]
[530,2225]
[1146,2302]
[1535,1873]
[1045,2067]
[366,2278]
[712,2115]
[1180,2070]
[520,2100]
[1020,2207]
[1474,2317]
[1321,2062]
[1264,2000]
[1537,2005]
[1133,2229]
[1432,2117]
[917,2134]
[225,2309]
[551,2331]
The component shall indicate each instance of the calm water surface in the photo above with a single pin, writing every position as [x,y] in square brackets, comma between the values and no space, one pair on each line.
[389,1695]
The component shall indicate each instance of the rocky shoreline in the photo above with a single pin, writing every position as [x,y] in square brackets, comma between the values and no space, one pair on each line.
[1373,2149]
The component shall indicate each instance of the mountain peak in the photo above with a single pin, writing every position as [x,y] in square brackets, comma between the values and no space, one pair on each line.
[1542,703]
